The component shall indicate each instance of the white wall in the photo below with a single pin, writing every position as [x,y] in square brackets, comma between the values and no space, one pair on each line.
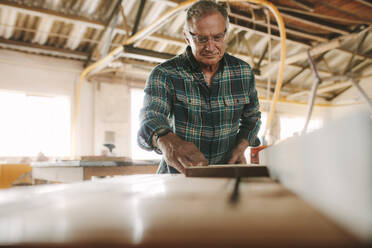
[112,114]
[50,76]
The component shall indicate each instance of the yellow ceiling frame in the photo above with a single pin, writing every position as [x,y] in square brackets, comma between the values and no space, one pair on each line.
[158,24]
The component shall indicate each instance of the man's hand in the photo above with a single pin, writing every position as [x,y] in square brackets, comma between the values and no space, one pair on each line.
[237,154]
[179,153]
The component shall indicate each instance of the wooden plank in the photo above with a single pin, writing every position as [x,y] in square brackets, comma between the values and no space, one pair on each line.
[164,211]
[227,171]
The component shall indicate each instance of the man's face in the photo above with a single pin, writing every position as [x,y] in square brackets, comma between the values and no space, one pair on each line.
[206,37]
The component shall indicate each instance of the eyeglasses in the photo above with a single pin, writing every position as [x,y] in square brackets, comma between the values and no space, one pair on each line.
[203,39]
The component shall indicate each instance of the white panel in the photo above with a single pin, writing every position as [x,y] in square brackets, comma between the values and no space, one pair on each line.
[331,169]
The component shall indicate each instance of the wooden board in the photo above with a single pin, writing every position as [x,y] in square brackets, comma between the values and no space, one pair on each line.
[94,158]
[227,171]
[156,211]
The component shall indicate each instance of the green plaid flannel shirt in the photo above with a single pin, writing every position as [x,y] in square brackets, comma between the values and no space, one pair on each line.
[214,118]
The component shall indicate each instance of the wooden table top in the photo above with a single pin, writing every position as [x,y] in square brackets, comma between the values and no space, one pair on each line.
[164,211]
[93,162]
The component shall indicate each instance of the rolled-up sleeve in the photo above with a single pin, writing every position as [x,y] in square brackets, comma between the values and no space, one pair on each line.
[250,120]
[154,114]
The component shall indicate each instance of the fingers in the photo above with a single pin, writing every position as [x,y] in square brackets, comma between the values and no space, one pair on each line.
[232,160]
[194,159]
[243,160]
[237,159]
[182,162]
[180,154]
[185,162]
[198,159]
[178,166]
[189,155]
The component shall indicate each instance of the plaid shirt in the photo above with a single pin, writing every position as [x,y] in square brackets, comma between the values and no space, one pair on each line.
[214,118]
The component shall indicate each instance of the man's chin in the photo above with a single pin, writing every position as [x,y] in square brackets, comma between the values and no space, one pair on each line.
[210,60]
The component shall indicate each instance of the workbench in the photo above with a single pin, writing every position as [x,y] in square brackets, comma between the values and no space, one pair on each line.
[164,211]
[67,171]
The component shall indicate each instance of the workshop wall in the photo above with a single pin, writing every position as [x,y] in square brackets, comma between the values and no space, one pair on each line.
[112,118]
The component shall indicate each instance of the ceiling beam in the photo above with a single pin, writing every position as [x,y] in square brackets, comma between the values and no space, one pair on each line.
[350,12]
[321,16]
[257,65]
[275,27]
[241,24]
[52,13]
[365,2]
[333,44]
[288,81]
[105,37]
[349,65]
[109,31]
[144,54]
[303,4]
[322,48]
[50,34]
[138,16]
[41,49]
[274,36]
[321,90]
[317,24]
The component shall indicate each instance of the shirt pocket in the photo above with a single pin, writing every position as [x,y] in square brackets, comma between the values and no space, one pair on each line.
[188,109]
[234,106]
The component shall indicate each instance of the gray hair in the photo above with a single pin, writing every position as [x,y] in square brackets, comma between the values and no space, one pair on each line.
[204,7]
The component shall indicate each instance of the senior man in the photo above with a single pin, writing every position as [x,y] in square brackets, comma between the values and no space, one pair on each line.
[201,107]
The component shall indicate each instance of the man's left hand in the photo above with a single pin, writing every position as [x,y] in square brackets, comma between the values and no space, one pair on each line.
[237,154]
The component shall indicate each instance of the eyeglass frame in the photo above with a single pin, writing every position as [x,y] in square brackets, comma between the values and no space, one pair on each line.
[197,37]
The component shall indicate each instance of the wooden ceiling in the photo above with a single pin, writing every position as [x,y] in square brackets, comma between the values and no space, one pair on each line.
[337,32]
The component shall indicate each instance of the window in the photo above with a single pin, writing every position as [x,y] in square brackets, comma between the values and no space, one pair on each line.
[32,124]
[137,96]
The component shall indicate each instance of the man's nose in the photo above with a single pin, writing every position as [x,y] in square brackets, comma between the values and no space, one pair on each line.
[210,44]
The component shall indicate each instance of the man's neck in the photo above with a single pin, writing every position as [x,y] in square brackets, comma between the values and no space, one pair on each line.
[209,71]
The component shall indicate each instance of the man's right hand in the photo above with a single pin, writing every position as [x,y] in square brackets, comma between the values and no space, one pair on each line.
[179,153]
